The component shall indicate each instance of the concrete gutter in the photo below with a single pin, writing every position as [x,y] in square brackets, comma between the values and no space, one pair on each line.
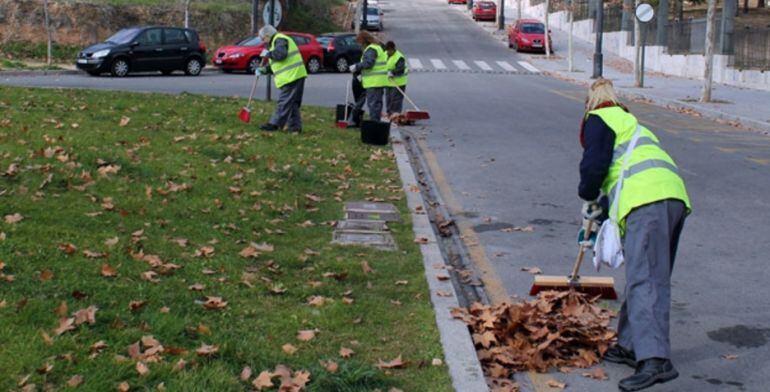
[459,351]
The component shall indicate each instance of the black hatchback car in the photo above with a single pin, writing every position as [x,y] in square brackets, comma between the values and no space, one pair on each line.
[340,50]
[145,49]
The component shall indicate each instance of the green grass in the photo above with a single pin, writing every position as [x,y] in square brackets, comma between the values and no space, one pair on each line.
[20,65]
[15,50]
[245,186]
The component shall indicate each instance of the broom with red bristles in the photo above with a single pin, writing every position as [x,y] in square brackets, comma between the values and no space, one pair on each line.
[604,287]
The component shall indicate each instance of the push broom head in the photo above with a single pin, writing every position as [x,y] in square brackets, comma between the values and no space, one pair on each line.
[604,287]
[417,115]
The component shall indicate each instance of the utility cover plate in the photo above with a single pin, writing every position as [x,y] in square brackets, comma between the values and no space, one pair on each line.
[376,226]
[372,211]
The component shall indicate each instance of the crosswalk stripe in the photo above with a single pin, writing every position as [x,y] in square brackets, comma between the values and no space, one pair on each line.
[528,66]
[483,65]
[415,63]
[461,64]
[438,64]
[504,65]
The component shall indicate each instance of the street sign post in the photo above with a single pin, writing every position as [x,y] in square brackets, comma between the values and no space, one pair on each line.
[272,14]
[644,13]
[598,57]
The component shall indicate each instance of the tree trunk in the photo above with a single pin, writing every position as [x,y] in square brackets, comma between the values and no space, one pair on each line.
[49,34]
[187,14]
[710,38]
[637,49]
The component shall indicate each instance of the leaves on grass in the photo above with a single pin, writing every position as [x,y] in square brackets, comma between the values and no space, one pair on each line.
[214,303]
[75,381]
[124,121]
[13,218]
[46,275]
[557,329]
[346,352]
[68,248]
[396,363]
[597,374]
[306,335]
[289,348]
[108,272]
[245,374]
[264,380]
[206,350]
[205,251]
[556,384]
[141,368]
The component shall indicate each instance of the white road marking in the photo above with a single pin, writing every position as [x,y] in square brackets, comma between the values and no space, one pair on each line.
[415,63]
[438,64]
[461,64]
[529,67]
[483,65]
[504,65]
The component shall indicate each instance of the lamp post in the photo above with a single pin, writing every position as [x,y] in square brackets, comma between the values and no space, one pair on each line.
[644,13]
[598,58]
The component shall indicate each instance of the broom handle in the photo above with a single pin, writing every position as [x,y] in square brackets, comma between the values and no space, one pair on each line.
[579,259]
[254,86]
[347,99]
[407,98]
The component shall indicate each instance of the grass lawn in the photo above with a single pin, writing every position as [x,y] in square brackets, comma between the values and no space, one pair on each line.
[150,208]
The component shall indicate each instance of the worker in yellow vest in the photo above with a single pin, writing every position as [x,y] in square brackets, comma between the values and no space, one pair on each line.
[374,72]
[398,76]
[649,207]
[289,72]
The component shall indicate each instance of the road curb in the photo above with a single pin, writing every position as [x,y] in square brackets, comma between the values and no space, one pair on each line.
[459,351]
[64,72]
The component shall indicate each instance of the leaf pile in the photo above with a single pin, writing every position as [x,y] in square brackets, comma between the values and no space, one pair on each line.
[557,329]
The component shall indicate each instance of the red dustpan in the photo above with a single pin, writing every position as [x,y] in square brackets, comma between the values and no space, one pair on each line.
[245,113]
[415,114]
[344,122]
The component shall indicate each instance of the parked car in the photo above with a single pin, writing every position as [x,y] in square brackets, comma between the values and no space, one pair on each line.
[458,1]
[484,10]
[340,50]
[528,34]
[244,55]
[373,19]
[145,49]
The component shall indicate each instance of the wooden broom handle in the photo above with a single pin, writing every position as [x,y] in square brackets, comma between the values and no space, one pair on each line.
[579,260]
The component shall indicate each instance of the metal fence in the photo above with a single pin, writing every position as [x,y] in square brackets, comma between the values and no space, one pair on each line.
[751,47]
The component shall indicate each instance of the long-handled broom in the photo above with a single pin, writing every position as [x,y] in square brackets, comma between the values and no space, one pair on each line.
[245,113]
[592,285]
[415,114]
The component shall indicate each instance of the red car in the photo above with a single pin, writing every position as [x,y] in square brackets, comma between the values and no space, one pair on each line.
[484,10]
[528,34]
[244,56]
[458,1]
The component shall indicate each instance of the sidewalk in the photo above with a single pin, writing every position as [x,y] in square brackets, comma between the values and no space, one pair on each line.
[732,105]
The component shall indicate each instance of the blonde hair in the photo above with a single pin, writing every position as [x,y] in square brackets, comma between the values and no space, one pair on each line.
[366,38]
[601,91]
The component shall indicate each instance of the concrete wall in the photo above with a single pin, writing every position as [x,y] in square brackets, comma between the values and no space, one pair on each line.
[656,59]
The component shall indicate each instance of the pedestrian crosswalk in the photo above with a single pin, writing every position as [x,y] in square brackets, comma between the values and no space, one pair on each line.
[472,66]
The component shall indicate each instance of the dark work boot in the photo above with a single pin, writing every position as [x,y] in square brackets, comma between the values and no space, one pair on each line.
[295,130]
[648,373]
[618,354]
[269,127]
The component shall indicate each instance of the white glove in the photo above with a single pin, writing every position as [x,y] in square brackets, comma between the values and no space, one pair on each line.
[360,78]
[258,71]
[353,68]
[591,210]
[265,53]
[391,75]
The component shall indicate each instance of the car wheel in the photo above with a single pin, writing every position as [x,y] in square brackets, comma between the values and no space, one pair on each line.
[342,65]
[119,67]
[253,65]
[193,67]
[313,65]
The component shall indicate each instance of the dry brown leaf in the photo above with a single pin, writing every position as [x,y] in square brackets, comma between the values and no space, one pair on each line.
[196,287]
[346,352]
[205,251]
[111,241]
[392,364]
[288,349]
[98,346]
[330,366]
[180,364]
[249,252]
[264,380]
[136,305]
[75,381]
[437,362]
[366,268]
[46,275]
[108,169]
[93,255]
[306,335]
[206,350]
[123,387]
[214,303]
[596,374]
[263,247]
[61,310]
[421,240]
[13,218]
[68,248]
[87,315]
[317,301]
[141,368]
[532,270]
[246,374]
[150,276]
[108,272]
[124,121]
[556,384]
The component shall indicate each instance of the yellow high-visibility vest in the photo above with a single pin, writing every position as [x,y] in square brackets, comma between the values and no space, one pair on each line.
[290,69]
[399,81]
[376,76]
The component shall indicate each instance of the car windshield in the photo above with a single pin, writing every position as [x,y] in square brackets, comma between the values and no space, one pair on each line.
[373,11]
[253,41]
[487,6]
[123,36]
[533,28]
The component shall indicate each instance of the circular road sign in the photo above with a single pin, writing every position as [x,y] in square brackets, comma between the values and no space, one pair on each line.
[644,12]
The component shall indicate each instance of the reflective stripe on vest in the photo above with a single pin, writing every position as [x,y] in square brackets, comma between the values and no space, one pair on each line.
[376,76]
[651,175]
[392,62]
[290,69]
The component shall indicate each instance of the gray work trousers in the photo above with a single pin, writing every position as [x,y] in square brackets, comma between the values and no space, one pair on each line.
[395,100]
[650,245]
[287,111]
[374,98]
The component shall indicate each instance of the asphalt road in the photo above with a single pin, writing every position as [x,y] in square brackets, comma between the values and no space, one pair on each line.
[504,149]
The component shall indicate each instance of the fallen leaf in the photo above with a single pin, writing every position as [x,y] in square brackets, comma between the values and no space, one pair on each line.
[141,368]
[436,362]
[124,121]
[98,346]
[87,315]
[206,350]
[206,251]
[596,374]
[532,270]
[346,352]
[75,381]
[65,324]
[246,374]
[150,276]
[730,357]
[306,335]
[214,303]
[264,380]
[556,384]
[68,248]
[180,364]
[289,349]
[366,268]
[421,240]
[402,282]
[108,272]
[93,255]
[263,247]
[13,218]
[196,287]
[249,252]
[111,241]
[105,170]
[123,387]
[316,301]
[330,366]
[392,364]
[46,275]
[136,305]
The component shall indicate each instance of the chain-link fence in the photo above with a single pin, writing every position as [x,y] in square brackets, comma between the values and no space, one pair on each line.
[751,47]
